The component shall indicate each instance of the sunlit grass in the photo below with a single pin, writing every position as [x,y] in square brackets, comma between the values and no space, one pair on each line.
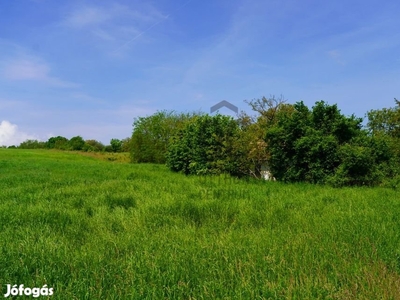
[96,229]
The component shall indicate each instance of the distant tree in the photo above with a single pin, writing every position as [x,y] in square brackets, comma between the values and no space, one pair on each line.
[385,121]
[58,142]
[126,145]
[251,141]
[32,144]
[12,147]
[93,145]
[116,145]
[76,143]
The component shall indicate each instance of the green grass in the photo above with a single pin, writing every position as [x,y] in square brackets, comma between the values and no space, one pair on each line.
[94,229]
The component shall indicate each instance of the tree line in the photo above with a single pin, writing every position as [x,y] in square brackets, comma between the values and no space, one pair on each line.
[77,143]
[297,143]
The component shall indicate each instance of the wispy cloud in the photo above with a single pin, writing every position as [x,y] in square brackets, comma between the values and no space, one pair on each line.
[28,69]
[86,16]
[113,21]
[87,98]
[11,104]
[111,27]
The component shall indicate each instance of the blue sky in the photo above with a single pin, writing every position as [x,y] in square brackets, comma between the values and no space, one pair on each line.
[89,67]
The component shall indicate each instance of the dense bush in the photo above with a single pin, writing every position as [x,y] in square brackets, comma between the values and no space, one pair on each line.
[205,146]
[251,142]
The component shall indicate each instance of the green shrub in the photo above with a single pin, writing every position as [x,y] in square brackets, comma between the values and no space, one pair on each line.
[205,146]
[93,145]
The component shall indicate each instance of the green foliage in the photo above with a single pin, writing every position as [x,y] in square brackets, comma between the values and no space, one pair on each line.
[304,144]
[76,143]
[126,145]
[251,141]
[384,126]
[151,135]
[386,120]
[205,146]
[108,148]
[93,145]
[357,167]
[116,145]
[58,142]
[368,160]
[32,144]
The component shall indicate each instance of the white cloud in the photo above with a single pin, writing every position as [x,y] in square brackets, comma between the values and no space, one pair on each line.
[11,135]
[32,69]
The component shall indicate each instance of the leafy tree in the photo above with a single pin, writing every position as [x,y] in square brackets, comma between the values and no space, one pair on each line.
[58,142]
[116,145]
[126,145]
[151,135]
[251,142]
[304,144]
[384,126]
[385,121]
[93,145]
[76,143]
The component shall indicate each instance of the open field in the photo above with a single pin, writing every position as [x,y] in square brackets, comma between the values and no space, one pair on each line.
[95,229]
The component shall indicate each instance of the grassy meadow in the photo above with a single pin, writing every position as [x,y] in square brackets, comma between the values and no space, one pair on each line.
[103,229]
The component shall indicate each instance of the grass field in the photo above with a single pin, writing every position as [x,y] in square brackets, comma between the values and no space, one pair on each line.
[100,229]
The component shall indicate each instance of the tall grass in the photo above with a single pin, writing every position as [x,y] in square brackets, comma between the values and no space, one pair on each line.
[95,229]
